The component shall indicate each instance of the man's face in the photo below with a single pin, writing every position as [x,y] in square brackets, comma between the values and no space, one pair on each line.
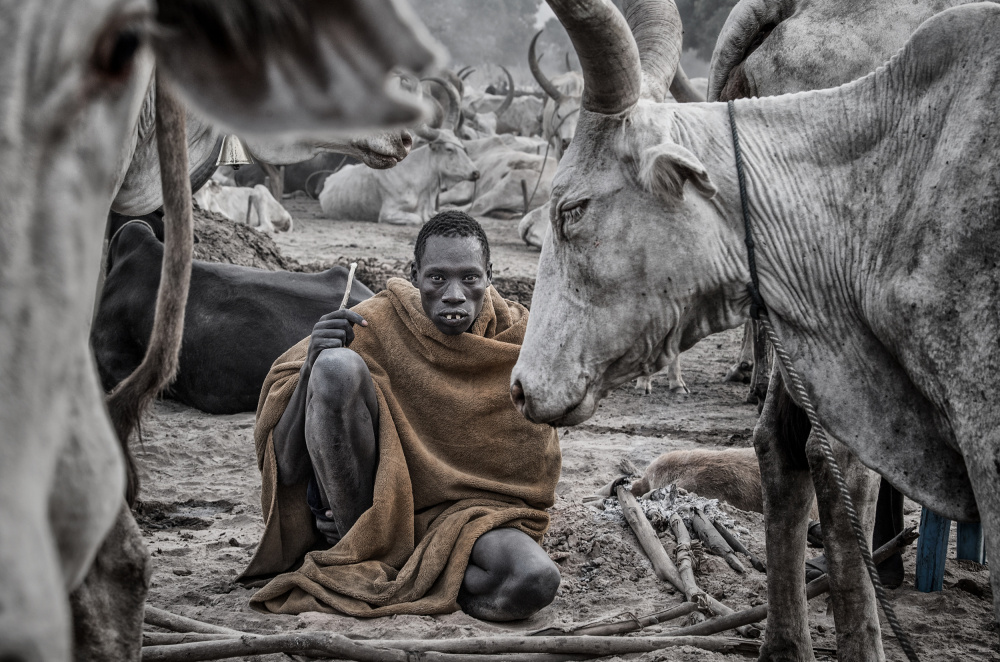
[452,279]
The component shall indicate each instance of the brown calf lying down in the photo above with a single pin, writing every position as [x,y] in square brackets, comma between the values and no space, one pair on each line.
[731,475]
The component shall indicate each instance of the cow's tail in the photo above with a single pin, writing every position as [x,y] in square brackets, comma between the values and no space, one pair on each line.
[127,402]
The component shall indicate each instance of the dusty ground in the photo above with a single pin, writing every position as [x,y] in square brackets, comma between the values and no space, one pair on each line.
[201,514]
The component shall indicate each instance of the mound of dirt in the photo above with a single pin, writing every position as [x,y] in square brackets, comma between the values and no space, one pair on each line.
[220,240]
[371,271]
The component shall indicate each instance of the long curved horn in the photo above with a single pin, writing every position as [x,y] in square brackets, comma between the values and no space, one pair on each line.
[466,74]
[430,134]
[454,113]
[510,94]
[682,90]
[456,81]
[748,24]
[656,28]
[608,54]
[544,82]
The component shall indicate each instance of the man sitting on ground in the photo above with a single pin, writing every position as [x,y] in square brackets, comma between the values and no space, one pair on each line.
[388,438]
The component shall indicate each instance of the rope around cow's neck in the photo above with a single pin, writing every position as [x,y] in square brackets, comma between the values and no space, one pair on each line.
[759,313]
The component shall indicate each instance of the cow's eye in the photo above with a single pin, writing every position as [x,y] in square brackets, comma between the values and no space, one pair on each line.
[568,214]
[573,211]
[116,48]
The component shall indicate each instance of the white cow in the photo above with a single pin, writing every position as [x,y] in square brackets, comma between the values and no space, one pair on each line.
[534,225]
[562,107]
[404,195]
[874,206]
[254,206]
[504,161]
[74,75]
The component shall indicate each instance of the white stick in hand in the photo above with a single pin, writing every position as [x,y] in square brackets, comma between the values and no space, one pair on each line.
[350,283]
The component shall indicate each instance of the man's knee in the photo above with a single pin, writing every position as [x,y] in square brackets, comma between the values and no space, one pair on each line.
[338,375]
[534,586]
[512,577]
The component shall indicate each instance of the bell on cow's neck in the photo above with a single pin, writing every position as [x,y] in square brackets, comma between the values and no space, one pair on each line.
[233,153]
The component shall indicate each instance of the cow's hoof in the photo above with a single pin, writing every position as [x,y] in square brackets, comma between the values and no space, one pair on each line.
[679,389]
[644,384]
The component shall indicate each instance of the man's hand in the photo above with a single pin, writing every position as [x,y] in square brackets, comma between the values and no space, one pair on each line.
[333,330]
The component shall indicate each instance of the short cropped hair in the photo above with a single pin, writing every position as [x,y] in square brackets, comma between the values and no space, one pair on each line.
[450,223]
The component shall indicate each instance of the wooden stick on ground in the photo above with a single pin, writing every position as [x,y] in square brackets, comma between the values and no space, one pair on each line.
[662,565]
[620,627]
[737,546]
[176,623]
[685,565]
[715,542]
[444,650]
[684,561]
[170,638]
[814,588]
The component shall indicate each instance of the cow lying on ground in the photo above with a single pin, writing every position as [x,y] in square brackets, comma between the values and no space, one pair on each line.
[255,206]
[731,475]
[503,162]
[875,210]
[404,195]
[306,176]
[238,320]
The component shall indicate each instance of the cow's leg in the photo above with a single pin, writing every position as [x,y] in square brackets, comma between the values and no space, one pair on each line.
[675,380]
[761,364]
[743,368]
[854,606]
[982,457]
[108,607]
[263,217]
[397,216]
[787,493]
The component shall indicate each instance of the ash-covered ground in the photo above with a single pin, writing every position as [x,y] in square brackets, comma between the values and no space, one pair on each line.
[201,514]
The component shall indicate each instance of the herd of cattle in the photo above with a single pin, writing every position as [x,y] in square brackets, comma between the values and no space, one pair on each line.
[875,206]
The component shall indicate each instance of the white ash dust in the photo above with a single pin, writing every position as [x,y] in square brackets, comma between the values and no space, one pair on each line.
[202,519]
[660,504]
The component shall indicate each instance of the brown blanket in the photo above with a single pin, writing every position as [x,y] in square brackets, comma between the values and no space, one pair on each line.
[455,460]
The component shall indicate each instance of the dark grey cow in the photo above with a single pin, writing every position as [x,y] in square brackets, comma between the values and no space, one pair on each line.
[238,320]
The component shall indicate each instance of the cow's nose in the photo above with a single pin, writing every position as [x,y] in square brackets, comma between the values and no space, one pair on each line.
[407,139]
[517,396]
[475,175]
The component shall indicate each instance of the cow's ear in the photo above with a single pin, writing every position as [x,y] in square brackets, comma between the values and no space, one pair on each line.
[667,166]
[256,66]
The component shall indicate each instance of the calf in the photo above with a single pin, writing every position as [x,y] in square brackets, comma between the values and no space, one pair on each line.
[238,320]
[255,206]
[731,475]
